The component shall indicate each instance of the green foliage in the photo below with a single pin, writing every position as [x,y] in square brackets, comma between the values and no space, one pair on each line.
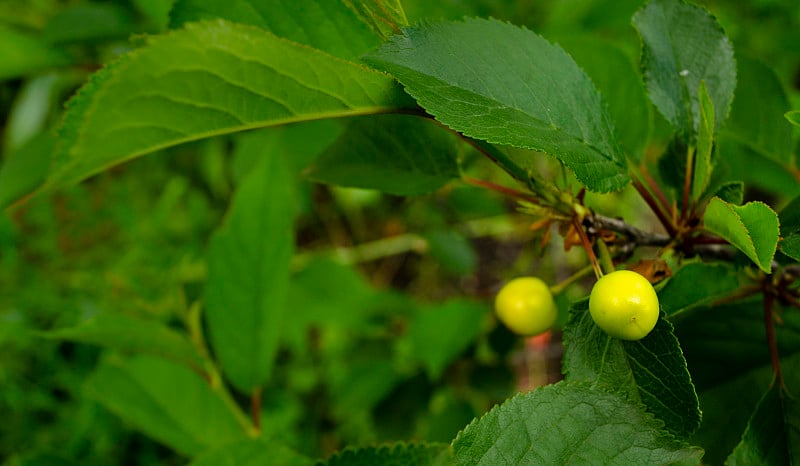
[302,272]
[248,274]
[683,45]
[516,102]
[753,228]
[237,90]
[569,422]
[651,371]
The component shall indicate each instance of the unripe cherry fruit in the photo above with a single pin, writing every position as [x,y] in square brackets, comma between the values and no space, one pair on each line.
[624,304]
[525,305]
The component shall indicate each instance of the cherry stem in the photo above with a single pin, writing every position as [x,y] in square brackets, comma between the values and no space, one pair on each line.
[687,183]
[605,256]
[501,189]
[656,208]
[255,408]
[769,326]
[561,286]
[587,244]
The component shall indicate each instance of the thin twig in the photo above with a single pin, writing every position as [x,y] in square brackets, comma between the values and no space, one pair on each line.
[769,326]
[655,207]
[638,236]
[255,408]
[587,244]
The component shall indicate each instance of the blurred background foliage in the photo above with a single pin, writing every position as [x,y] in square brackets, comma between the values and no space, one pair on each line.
[391,334]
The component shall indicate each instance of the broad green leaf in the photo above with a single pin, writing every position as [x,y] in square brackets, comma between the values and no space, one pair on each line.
[793,116]
[208,79]
[23,54]
[252,452]
[790,217]
[755,119]
[743,163]
[790,245]
[764,441]
[396,154]
[362,384]
[26,168]
[696,284]
[752,228]
[724,342]
[248,274]
[398,454]
[168,402]
[385,17]
[701,174]
[619,82]
[326,25]
[440,333]
[651,370]
[682,44]
[507,85]
[731,192]
[569,423]
[89,22]
[126,333]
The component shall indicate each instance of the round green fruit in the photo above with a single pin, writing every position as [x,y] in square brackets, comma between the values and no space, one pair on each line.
[525,305]
[624,304]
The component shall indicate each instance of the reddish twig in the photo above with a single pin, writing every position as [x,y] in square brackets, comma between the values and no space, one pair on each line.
[587,244]
[255,407]
[501,189]
[665,220]
[769,326]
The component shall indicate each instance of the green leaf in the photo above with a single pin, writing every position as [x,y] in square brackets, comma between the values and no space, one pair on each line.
[326,25]
[22,54]
[241,78]
[504,84]
[651,370]
[724,342]
[790,245]
[683,44]
[396,154]
[248,274]
[453,251]
[89,22]
[619,82]
[790,217]
[398,454]
[696,284]
[701,174]
[755,119]
[26,168]
[126,333]
[252,452]
[793,116]
[385,17]
[743,163]
[764,441]
[569,423]
[439,334]
[731,192]
[752,228]
[168,402]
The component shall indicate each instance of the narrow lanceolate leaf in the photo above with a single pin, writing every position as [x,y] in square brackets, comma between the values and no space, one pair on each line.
[166,401]
[764,441]
[207,79]
[130,334]
[569,423]
[507,85]
[683,44]
[417,454]
[252,452]
[652,370]
[385,17]
[248,274]
[705,143]
[396,154]
[327,25]
[753,228]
